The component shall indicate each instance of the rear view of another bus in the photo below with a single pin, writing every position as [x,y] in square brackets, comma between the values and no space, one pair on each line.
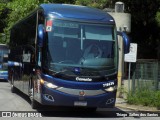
[3,62]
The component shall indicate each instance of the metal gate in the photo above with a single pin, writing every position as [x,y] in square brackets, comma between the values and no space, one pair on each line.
[146,75]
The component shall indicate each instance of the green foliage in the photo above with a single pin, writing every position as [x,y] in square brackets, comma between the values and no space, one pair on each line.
[145,31]
[19,9]
[144,97]
[62,1]
[93,3]
[3,15]
[2,7]
[158,18]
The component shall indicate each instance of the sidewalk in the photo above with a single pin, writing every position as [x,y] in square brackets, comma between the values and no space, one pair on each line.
[121,103]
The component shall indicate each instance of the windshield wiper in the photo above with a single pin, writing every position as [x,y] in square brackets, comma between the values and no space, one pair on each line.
[58,73]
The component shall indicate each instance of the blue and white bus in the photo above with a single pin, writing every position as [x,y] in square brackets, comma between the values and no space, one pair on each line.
[66,55]
[3,62]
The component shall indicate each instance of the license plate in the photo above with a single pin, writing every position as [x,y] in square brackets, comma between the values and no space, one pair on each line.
[80,103]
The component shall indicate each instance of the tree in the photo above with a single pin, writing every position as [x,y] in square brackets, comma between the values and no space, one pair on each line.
[62,1]
[158,17]
[19,9]
[145,18]
[144,24]
[3,15]
[93,3]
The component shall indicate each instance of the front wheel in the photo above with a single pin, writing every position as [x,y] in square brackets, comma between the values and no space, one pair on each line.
[34,103]
[13,89]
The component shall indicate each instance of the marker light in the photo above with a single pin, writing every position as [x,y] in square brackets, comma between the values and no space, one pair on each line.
[42,81]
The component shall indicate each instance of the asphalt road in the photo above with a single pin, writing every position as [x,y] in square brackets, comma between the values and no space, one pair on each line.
[17,105]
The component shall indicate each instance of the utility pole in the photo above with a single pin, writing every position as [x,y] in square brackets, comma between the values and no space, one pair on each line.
[123,23]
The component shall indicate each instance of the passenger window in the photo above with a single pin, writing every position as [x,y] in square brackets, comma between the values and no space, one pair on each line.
[28,55]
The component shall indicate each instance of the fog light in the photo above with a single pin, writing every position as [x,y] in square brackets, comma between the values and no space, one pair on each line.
[109,101]
[49,97]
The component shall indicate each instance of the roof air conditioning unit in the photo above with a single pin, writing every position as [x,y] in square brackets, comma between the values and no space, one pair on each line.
[119,7]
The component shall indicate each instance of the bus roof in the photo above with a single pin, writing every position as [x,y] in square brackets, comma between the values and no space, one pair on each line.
[67,11]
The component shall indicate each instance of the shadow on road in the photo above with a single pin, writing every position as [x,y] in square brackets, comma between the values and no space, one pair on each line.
[75,112]
[80,112]
[3,80]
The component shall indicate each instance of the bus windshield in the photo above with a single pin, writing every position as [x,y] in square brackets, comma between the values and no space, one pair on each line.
[80,48]
[3,57]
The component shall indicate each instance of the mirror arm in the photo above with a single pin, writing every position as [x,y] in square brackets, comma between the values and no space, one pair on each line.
[126,41]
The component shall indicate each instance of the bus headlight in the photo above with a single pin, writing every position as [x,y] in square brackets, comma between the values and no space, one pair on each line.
[48,84]
[111,89]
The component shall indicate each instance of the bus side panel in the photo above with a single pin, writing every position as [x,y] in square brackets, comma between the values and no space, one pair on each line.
[15,67]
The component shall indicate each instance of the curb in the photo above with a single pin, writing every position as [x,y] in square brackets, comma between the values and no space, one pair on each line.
[137,108]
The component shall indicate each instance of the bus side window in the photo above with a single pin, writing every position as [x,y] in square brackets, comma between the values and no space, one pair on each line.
[39,55]
[28,55]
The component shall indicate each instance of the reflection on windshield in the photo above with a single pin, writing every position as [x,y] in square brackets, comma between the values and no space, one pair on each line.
[79,45]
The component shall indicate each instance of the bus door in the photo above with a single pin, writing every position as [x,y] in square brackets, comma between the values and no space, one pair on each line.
[28,60]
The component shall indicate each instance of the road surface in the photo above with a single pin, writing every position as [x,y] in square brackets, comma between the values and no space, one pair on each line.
[17,105]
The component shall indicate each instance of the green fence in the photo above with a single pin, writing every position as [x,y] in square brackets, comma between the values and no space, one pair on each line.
[146,75]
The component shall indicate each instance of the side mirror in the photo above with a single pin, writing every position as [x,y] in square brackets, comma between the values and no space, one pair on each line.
[41,35]
[126,41]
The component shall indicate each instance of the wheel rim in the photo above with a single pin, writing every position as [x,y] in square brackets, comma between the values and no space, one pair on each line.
[31,94]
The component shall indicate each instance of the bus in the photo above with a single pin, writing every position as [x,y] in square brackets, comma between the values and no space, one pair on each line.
[3,62]
[52,57]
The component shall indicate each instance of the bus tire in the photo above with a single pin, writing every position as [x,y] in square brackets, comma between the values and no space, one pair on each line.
[34,103]
[13,89]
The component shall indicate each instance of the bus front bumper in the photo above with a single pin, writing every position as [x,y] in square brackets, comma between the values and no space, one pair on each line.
[76,97]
